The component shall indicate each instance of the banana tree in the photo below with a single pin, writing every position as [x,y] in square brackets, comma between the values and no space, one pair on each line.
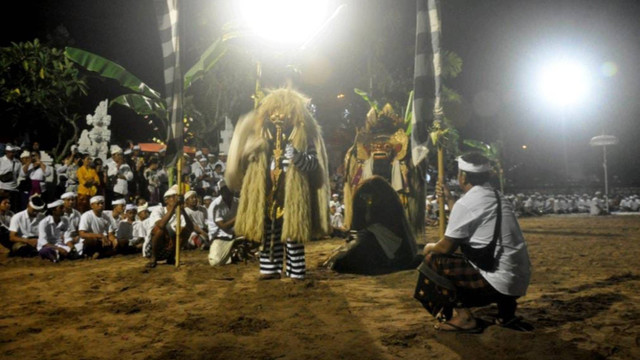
[493,152]
[142,99]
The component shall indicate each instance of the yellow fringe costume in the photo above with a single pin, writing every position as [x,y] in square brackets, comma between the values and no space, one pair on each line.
[306,200]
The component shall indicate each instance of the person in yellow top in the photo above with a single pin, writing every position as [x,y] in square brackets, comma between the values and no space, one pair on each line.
[88,182]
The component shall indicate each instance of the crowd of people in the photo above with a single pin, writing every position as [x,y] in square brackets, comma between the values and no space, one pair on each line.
[537,204]
[84,207]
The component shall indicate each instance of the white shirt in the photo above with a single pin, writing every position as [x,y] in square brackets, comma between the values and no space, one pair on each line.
[596,206]
[158,213]
[51,233]
[38,174]
[25,226]
[336,220]
[139,229]
[199,170]
[7,166]
[74,219]
[121,186]
[114,222]
[94,224]
[220,211]
[197,216]
[473,218]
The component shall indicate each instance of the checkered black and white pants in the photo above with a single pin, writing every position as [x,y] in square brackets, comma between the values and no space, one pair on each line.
[271,259]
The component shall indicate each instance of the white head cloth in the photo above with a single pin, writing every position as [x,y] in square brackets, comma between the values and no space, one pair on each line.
[472,168]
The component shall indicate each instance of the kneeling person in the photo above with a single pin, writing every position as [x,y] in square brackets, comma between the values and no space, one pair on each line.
[490,271]
[163,234]
[222,218]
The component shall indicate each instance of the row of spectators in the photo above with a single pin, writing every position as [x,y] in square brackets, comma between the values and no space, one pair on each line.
[58,230]
[537,204]
[128,173]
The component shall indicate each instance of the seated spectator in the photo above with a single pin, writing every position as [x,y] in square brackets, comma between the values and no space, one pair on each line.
[163,234]
[96,231]
[199,239]
[127,230]
[337,225]
[54,237]
[23,230]
[5,220]
[72,215]
[222,218]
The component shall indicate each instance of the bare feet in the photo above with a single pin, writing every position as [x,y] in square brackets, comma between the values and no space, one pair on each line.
[461,321]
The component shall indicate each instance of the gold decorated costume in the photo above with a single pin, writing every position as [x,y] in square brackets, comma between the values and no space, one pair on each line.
[381,149]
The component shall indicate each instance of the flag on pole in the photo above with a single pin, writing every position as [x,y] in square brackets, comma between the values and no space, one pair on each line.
[423,89]
[436,31]
[427,103]
[168,26]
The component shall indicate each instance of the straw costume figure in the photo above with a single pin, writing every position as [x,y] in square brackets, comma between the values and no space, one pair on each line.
[277,159]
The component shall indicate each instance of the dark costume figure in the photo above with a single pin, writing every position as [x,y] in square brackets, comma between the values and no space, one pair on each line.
[381,149]
[277,159]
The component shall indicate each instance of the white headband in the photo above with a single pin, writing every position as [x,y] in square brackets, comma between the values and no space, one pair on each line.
[472,168]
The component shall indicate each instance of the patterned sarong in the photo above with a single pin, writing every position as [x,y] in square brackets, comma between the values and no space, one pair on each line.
[448,281]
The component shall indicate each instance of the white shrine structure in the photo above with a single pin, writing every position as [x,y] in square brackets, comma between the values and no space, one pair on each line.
[95,142]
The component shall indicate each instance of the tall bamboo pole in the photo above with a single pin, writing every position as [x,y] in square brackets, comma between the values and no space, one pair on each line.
[178,220]
[441,180]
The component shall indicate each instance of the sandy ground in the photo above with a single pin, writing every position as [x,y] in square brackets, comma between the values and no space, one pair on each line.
[584,301]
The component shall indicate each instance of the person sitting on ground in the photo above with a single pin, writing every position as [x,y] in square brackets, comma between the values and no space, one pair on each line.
[199,239]
[73,215]
[23,230]
[115,215]
[206,201]
[127,230]
[163,234]
[335,201]
[222,218]
[478,220]
[597,206]
[140,227]
[54,234]
[96,231]
[337,226]
[5,220]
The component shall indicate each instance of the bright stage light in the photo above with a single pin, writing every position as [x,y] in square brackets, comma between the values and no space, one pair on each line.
[289,22]
[565,82]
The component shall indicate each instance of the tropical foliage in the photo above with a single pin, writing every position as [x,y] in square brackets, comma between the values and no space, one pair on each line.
[146,101]
[38,83]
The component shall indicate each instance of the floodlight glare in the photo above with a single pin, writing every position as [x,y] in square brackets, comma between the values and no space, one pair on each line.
[284,21]
[564,83]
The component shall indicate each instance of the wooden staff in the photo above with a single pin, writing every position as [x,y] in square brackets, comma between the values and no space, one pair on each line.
[178,223]
[441,180]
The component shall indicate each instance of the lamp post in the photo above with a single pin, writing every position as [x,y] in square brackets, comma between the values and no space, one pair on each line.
[604,141]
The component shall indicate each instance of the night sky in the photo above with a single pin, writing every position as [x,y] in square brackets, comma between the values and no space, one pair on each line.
[502,44]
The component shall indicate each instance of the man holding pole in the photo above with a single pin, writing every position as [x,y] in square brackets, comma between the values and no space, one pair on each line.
[494,266]
[165,228]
